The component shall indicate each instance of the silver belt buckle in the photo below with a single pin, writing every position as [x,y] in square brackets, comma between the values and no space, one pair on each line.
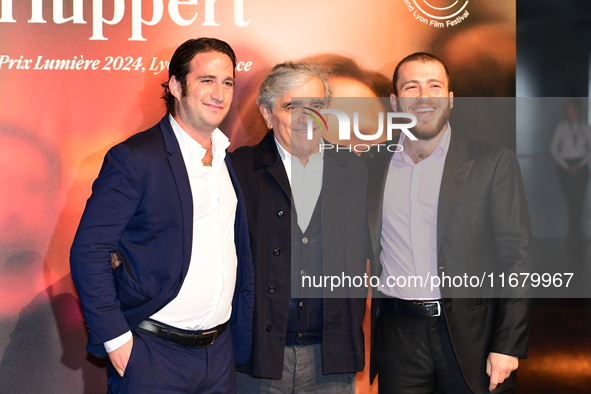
[438,303]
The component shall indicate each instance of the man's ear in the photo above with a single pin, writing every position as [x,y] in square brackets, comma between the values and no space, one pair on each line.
[268,115]
[451,100]
[394,102]
[175,87]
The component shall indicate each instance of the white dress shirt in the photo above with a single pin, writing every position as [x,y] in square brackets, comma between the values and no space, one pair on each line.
[571,141]
[305,182]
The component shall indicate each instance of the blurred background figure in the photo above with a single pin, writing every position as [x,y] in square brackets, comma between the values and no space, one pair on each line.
[571,149]
[345,69]
[42,332]
[29,181]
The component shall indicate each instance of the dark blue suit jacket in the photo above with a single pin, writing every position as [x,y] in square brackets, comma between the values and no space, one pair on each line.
[141,207]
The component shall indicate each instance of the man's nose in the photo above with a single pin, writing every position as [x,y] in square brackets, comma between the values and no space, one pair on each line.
[302,117]
[217,92]
[424,92]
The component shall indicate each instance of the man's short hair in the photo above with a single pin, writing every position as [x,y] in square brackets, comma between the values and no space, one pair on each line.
[180,63]
[287,76]
[422,57]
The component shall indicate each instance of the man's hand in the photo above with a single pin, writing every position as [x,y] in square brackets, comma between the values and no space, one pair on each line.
[120,356]
[499,367]
[115,260]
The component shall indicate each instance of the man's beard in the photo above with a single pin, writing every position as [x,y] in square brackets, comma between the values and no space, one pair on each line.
[426,132]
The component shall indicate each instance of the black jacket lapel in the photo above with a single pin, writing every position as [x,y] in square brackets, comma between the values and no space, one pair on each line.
[458,165]
[267,155]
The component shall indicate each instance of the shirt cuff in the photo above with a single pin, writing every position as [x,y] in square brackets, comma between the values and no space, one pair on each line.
[116,343]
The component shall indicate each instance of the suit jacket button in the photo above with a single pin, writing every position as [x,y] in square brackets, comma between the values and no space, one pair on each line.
[305,240]
[272,289]
[276,251]
[280,213]
[269,328]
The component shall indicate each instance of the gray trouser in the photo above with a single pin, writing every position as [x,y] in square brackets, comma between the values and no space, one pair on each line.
[302,373]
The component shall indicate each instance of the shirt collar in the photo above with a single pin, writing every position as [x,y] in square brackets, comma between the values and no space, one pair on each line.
[443,145]
[440,150]
[285,155]
[219,142]
[282,151]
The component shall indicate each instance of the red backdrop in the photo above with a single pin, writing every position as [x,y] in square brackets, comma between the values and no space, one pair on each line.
[56,124]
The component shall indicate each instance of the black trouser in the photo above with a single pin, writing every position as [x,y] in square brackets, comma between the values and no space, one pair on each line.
[415,355]
[574,189]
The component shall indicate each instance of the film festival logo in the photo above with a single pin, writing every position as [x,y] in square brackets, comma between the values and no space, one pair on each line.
[344,125]
[441,14]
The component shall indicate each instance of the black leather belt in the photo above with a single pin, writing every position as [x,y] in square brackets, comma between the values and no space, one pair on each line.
[407,308]
[186,338]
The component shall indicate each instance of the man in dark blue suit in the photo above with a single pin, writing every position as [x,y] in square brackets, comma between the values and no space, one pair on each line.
[167,203]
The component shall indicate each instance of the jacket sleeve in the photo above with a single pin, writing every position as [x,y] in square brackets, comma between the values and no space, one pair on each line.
[116,194]
[513,241]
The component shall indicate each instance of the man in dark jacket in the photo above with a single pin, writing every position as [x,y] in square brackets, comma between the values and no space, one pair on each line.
[447,205]
[307,219]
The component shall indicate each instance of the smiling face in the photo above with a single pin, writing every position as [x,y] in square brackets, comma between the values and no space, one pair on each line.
[423,91]
[290,122]
[205,100]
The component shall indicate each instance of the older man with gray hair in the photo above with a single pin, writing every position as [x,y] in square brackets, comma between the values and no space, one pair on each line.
[306,211]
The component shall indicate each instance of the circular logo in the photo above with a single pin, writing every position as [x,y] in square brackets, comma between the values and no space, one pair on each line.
[438,13]
[441,9]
